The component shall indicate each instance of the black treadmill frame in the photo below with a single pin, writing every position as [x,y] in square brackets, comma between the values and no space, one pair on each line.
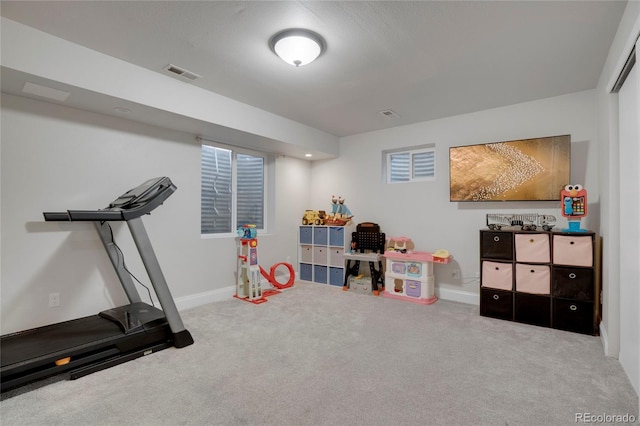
[113,336]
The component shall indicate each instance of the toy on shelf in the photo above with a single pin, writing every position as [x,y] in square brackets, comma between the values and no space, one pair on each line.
[400,244]
[411,272]
[526,221]
[314,217]
[574,206]
[441,256]
[340,214]
[248,284]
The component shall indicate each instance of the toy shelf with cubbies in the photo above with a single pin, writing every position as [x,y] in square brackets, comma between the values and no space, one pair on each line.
[543,278]
[409,276]
[320,253]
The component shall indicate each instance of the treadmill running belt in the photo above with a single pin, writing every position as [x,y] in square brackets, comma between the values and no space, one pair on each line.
[56,338]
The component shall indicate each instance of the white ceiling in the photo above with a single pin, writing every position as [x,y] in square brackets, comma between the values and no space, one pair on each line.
[423,60]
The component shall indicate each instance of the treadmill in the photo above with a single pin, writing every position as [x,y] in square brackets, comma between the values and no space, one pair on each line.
[86,345]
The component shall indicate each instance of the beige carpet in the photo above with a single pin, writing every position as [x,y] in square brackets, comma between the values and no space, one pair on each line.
[315,355]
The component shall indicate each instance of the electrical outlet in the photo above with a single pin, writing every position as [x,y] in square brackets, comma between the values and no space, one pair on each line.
[455,275]
[54,300]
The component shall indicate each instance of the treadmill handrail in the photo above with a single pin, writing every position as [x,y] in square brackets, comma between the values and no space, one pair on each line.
[134,208]
[82,215]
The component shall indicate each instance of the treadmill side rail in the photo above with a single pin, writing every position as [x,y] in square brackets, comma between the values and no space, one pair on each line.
[158,281]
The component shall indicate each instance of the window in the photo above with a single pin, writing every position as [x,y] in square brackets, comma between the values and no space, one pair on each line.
[409,165]
[232,190]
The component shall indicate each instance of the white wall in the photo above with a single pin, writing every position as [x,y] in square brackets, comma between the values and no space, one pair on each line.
[617,313]
[56,158]
[423,212]
[630,219]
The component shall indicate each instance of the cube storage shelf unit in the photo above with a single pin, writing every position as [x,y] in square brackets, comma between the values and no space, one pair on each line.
[320,253]
[544,278]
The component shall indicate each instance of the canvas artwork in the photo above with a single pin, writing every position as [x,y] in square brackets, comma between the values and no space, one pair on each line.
[519,170]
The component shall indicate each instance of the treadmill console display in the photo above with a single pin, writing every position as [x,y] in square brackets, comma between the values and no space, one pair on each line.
[142,193]
[133,203]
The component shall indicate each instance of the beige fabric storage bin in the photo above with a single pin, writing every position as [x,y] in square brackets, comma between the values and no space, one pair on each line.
[533,248]
[534,279]
[573,250]
[320,255]
[306,254]
[497,275]
[336,256]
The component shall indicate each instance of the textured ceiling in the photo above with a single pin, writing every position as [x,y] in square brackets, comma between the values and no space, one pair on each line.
[423,60]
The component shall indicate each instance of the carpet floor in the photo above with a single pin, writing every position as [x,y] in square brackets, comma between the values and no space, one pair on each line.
[316,355]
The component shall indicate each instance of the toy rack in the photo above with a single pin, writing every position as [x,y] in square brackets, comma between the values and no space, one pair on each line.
[532,220]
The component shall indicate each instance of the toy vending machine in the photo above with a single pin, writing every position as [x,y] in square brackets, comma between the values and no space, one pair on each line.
[574,206]
[248,282]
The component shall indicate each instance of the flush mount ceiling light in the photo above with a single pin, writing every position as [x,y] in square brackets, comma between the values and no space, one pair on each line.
[297,46]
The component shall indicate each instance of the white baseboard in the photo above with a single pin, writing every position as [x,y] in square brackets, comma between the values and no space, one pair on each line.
[226,293]
[604,339]
[458,296]
[194,300]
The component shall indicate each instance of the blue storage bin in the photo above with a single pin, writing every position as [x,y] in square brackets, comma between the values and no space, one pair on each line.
[336,276]
[320,274]
[306,235]
[320,235]
[336,236]
[306,272]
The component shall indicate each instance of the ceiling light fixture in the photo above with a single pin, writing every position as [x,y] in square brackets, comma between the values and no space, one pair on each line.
[297,46]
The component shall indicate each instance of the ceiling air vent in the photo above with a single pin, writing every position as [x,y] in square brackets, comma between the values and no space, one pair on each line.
[389,114]
[173,69]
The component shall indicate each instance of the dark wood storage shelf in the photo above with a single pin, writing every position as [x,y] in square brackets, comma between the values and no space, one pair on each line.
[543,278]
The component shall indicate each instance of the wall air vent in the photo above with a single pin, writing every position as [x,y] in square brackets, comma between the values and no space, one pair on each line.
[389,114]
[173,69]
